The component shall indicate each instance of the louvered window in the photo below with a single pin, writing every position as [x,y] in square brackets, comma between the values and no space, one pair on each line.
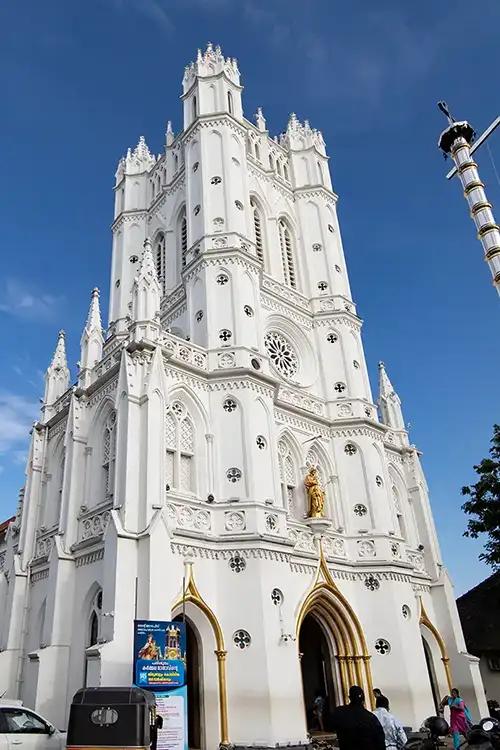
[287,257]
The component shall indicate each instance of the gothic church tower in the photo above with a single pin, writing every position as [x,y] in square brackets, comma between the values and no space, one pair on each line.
[231,366]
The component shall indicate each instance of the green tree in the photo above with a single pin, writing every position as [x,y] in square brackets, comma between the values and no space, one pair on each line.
[484,503]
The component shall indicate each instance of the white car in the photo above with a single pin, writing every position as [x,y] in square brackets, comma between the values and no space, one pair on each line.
[23,729]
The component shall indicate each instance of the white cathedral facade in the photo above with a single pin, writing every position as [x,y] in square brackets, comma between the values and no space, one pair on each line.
[232,363]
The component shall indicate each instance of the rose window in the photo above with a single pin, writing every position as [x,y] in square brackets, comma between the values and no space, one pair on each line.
[332,338]
[350,449]
[281,353]
[360,509]
[229,405]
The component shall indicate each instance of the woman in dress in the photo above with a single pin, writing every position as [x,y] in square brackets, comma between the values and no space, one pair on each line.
[459,716]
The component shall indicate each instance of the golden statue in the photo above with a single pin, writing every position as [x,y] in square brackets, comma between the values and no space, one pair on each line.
[315,494]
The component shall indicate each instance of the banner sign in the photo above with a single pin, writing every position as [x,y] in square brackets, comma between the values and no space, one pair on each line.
[172,707]
[159,654]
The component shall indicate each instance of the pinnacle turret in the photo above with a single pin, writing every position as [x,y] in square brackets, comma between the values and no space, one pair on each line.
[260,120]
[92,341]
[389,401]
[169,134]
[146,293]
[210,63]
[57,375]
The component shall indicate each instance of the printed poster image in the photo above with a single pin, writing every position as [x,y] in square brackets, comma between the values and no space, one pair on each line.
[159,654]
[172,707]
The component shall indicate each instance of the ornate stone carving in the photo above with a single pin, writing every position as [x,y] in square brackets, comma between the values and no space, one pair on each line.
[226,360]
[94,525]
[366,548]
[272,523]
[235,520]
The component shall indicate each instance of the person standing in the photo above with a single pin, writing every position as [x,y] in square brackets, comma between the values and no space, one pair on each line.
[357,728]
[395,735]
[460,721]
[319,710]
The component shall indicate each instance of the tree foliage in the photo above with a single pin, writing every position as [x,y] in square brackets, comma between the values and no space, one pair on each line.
[484,503]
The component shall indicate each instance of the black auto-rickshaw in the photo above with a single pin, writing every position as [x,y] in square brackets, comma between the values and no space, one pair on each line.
[114,717]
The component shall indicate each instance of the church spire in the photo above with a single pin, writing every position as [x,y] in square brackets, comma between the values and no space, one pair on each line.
[389,401]
[57,375]
[91,341]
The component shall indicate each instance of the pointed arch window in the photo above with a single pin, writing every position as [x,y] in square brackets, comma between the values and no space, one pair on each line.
[160,260]
[400,521]
[179,440]
[94,620]
[257,152]
[60,482]
[258,230]
[287,254]
[108,456]
[195,108]
[230,102]
[183,236]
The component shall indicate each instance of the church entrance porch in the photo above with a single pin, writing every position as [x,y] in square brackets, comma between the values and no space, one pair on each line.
[319,677]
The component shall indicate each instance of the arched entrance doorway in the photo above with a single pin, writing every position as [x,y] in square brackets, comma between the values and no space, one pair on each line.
[194,680]
[341,651]
[318,672]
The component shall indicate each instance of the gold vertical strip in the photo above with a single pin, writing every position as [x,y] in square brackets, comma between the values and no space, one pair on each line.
[221,668]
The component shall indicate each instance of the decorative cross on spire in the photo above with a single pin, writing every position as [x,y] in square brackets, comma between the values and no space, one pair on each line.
[446,112]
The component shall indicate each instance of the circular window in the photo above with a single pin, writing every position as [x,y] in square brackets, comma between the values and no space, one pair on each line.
[216,180]
[330,228]
[242,639]
[248,311]
[406,611]
[338,269]
[199,316]
[197,210]
[379,481]
[103,717]
[317,247]
[233,474]
[195,166]
[237,563]
[229,405]
[261,442]
[350,449]
[322,286]
[372,583]
[239,205]
[255,364]
[225,335]
[360,509]
[382,646]
[117,283]
[281,354]
[332,338]
[355,364]
[277,597]
[134,258]
[222,279]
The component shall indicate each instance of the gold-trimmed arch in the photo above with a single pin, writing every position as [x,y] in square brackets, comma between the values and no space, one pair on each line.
[324,599]
[191,594]
[425,620]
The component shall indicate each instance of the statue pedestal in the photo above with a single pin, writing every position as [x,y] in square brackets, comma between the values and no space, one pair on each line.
[318,525]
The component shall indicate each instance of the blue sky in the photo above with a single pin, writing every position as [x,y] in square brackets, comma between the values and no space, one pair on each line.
[81,81]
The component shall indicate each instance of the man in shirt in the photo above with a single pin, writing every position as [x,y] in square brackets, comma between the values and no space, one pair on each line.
[357,728]
[395,737]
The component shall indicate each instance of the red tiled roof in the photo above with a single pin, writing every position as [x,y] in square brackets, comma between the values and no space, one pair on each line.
[4,524]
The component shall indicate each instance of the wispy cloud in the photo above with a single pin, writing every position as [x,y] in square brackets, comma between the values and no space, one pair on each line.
[154,10]
[21,300]
[17,413]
